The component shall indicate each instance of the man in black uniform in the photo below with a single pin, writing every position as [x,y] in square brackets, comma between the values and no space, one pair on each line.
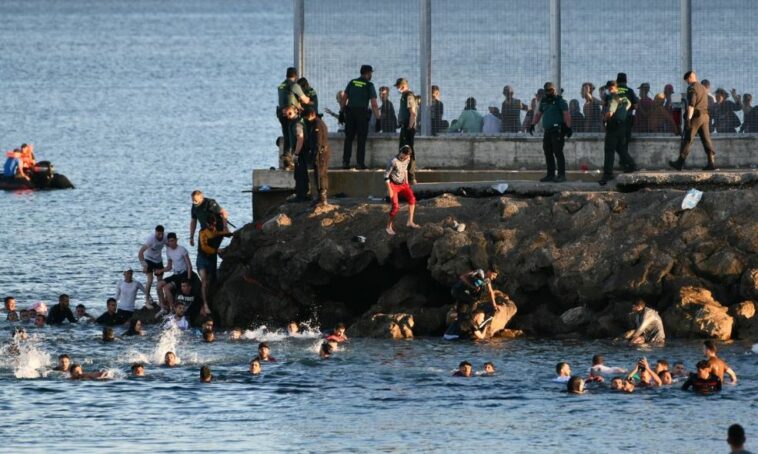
[358,93]
[318,138]
[696,122]
[297,134]
[556,121]
[615,113]
[290,94]
[626,92]
[407,116]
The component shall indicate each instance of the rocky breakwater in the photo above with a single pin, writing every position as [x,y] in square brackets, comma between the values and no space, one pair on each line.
[571,263]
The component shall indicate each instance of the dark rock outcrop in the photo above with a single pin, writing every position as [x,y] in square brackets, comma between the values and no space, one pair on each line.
[572,262]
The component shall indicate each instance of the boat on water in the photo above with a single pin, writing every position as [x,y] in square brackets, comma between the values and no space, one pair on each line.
[43,177]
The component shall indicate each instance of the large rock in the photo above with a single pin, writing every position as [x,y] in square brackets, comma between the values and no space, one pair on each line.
[501,317]
[749,284]
[695,313]
[383,326]
[745,320]
[278,222]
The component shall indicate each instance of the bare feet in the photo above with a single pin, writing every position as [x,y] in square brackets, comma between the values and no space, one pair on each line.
[413,225]
[389,231]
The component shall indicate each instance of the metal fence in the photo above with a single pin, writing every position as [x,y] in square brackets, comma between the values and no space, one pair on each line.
[479,46]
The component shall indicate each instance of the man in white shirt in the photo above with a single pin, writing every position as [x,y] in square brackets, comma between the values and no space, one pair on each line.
[492,121]
[564,372]
[178,262]
[150,256]
[126,292]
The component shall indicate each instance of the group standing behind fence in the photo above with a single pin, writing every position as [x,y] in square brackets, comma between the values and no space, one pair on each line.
[618,112]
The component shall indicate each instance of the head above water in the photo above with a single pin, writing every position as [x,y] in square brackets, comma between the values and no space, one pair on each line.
[10,303]
[465,368]
[703,369]
[575,385]
[138,370]
[169,359]
[205,374]
[563,369]
[598,360]
[63,300]
[108,335]
[209,336]
[111,305]
[489,368]
[197,197]
[255,367]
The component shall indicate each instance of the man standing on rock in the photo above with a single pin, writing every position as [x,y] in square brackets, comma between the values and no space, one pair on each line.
[407,118]
[556,121]
[396,178]
[202,208]
[358,94]
[318,136]
[648,324]
[696,122]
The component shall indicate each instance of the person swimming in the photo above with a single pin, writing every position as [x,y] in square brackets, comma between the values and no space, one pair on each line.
[64,363]
[464,370]
[622,385]
[138,370]
[235,334]
[338,334]
[563,371]
[666,378]
[599,367]
[489,369]
[255,367]
[292,328]
[77,373]
[575,385]
[170,359]
[644,375]
[209,336]
[328,347]
[704,381]
[108,335]
[264,353]
[135,328]
[205,374]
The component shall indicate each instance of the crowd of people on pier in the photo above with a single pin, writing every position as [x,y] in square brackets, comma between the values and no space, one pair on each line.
[617,111]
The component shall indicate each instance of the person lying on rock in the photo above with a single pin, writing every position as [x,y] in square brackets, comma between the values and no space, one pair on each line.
[396,178]
[471,285]
[648,325]
[464,370]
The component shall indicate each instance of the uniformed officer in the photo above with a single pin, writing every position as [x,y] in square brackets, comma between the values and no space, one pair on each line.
[615,112]
[626,92]
[310,92]
[696,122]
[298,138]
[290,94]
[556,121]
[407,117]
[358,94]
[318,136]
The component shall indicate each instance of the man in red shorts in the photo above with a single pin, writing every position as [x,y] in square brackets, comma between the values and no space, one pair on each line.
[396,177]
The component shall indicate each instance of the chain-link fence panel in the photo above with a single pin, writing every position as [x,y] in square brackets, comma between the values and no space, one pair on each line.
[724,54]
[342,35]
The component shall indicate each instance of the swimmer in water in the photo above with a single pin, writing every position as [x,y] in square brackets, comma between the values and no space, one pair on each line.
[64,363]
[19,334]
[489,369]
[77,373]
[40,320]
[264,353]
[575,385]
[704,381]
[169,360]
[646,377]
[564,372]
[207,325]
[235,334]
[205,374]
[679,370]
[81,314]
[135,328]
[209,336]
[661,365]
[138,370]
[666,378]
[178,319]
[255,367]
[108,335]
[327,349]
[338,334]
[464,370]
[622,385]
[292,328]
[10,308]
[599,367]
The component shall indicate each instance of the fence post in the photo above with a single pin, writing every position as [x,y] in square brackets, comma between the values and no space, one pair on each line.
[298,7]
[425,54]
[555,44]
[685,19]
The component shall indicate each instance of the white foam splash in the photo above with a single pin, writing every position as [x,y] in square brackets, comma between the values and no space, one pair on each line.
[28,360]
[167,342]
[309,330]
[755,348]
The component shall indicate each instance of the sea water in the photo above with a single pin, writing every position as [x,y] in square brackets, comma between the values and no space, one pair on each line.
[138,104]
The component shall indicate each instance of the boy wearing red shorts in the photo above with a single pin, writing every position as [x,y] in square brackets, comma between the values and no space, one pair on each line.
[396,177]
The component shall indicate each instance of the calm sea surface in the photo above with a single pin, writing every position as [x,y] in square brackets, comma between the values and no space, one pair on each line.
[138,104]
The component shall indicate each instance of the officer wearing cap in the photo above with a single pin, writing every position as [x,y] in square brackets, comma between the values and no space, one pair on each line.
[407,116]
[615,112]
[358,93]
[318,160]
[626,92]
[300,146]
[696,122]
[556,121]
[290,94]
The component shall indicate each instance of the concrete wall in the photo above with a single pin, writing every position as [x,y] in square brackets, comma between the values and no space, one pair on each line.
[519,152]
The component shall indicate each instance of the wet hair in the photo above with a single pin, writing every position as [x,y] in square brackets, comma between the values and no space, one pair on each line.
[62,297]
[205,373]
[710,346]
[8,299]
[303,82]
[78,306]
[435,88]
[489,363]
[43,316]
[463,364]
[136,366]
[573,385]
[327,348]
[263,345]
[597,359]
[663,362]
[108,334]
[132,331]
[75,366]
[736,435]
[470,104]
[291,72]
[559,366]
[702,365]
[208,335]
[111,300]
[639,302]
[663,373]
[339,325]
[159,228]
[256,360]
[64,356]
[171,236]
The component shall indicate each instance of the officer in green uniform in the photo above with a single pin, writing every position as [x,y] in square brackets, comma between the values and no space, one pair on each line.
[310,92]
[556,121]
[298,137]
[407,117]
[358,93]
[626,92]
[696,122]
[615,112]
[318,136]
[290,94]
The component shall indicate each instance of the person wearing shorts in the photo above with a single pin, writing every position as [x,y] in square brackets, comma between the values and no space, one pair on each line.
[150,256]
[178,262]
[396,178]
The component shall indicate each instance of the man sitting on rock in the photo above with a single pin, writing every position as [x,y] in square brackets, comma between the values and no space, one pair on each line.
[648,325]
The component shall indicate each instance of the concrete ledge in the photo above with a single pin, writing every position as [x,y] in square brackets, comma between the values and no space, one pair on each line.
[685,179]
[524,152]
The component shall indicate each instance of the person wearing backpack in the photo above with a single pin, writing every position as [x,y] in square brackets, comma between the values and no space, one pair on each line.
[615,113]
